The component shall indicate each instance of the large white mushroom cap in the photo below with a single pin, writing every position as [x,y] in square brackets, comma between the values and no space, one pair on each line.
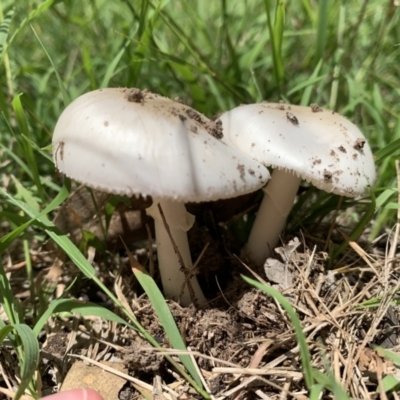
[316,144]
[127,141]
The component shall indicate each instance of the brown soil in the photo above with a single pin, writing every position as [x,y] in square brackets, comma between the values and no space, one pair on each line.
[242,340]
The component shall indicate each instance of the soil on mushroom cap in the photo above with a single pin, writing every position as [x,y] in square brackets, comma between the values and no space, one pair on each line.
[135,95]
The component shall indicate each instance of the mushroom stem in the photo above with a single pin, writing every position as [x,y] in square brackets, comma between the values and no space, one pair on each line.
[279,195]
[173,278]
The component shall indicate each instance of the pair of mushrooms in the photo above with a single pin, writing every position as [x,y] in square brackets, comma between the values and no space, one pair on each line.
[132,142]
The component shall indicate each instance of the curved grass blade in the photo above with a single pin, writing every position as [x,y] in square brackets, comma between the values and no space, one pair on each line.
[301,339]
[65,95]
[387,151]
[28,353]
[164,314]
[79,307]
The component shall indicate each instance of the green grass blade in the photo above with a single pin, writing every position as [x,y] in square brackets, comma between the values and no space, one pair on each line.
[276,40]
[4,31]
[88,67]
[200,61]
[383,198]
[4,331]
[195,89]
[11,154]
[26,194]
[113,65]
[389,150]
[301,339]
[78,307]
[146,33]
[64,92]
[25,145]
[27,348]
[323,7]
[316,392]
[358,230]
[5,28]
[7,300]
[389,384]
[330,383]
[7,239]
[390,355]
[35,13]
[39,150]
[164,314]
[30,357]
[279,26]
[308,86]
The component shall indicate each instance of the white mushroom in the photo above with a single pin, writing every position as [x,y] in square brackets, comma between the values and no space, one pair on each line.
[132,142]
[308,143]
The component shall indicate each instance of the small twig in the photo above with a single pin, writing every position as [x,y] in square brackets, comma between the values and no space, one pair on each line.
[379,375]
[151,253]
[256,378]
[281,372]
[361,253]
[372,331]
[196,263]
[222,293]
[255,361]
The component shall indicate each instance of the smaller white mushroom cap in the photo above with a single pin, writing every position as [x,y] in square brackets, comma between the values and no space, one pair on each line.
[127,141]
[316,144]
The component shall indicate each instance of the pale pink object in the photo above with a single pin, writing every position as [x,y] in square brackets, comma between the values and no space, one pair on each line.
[75,394]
